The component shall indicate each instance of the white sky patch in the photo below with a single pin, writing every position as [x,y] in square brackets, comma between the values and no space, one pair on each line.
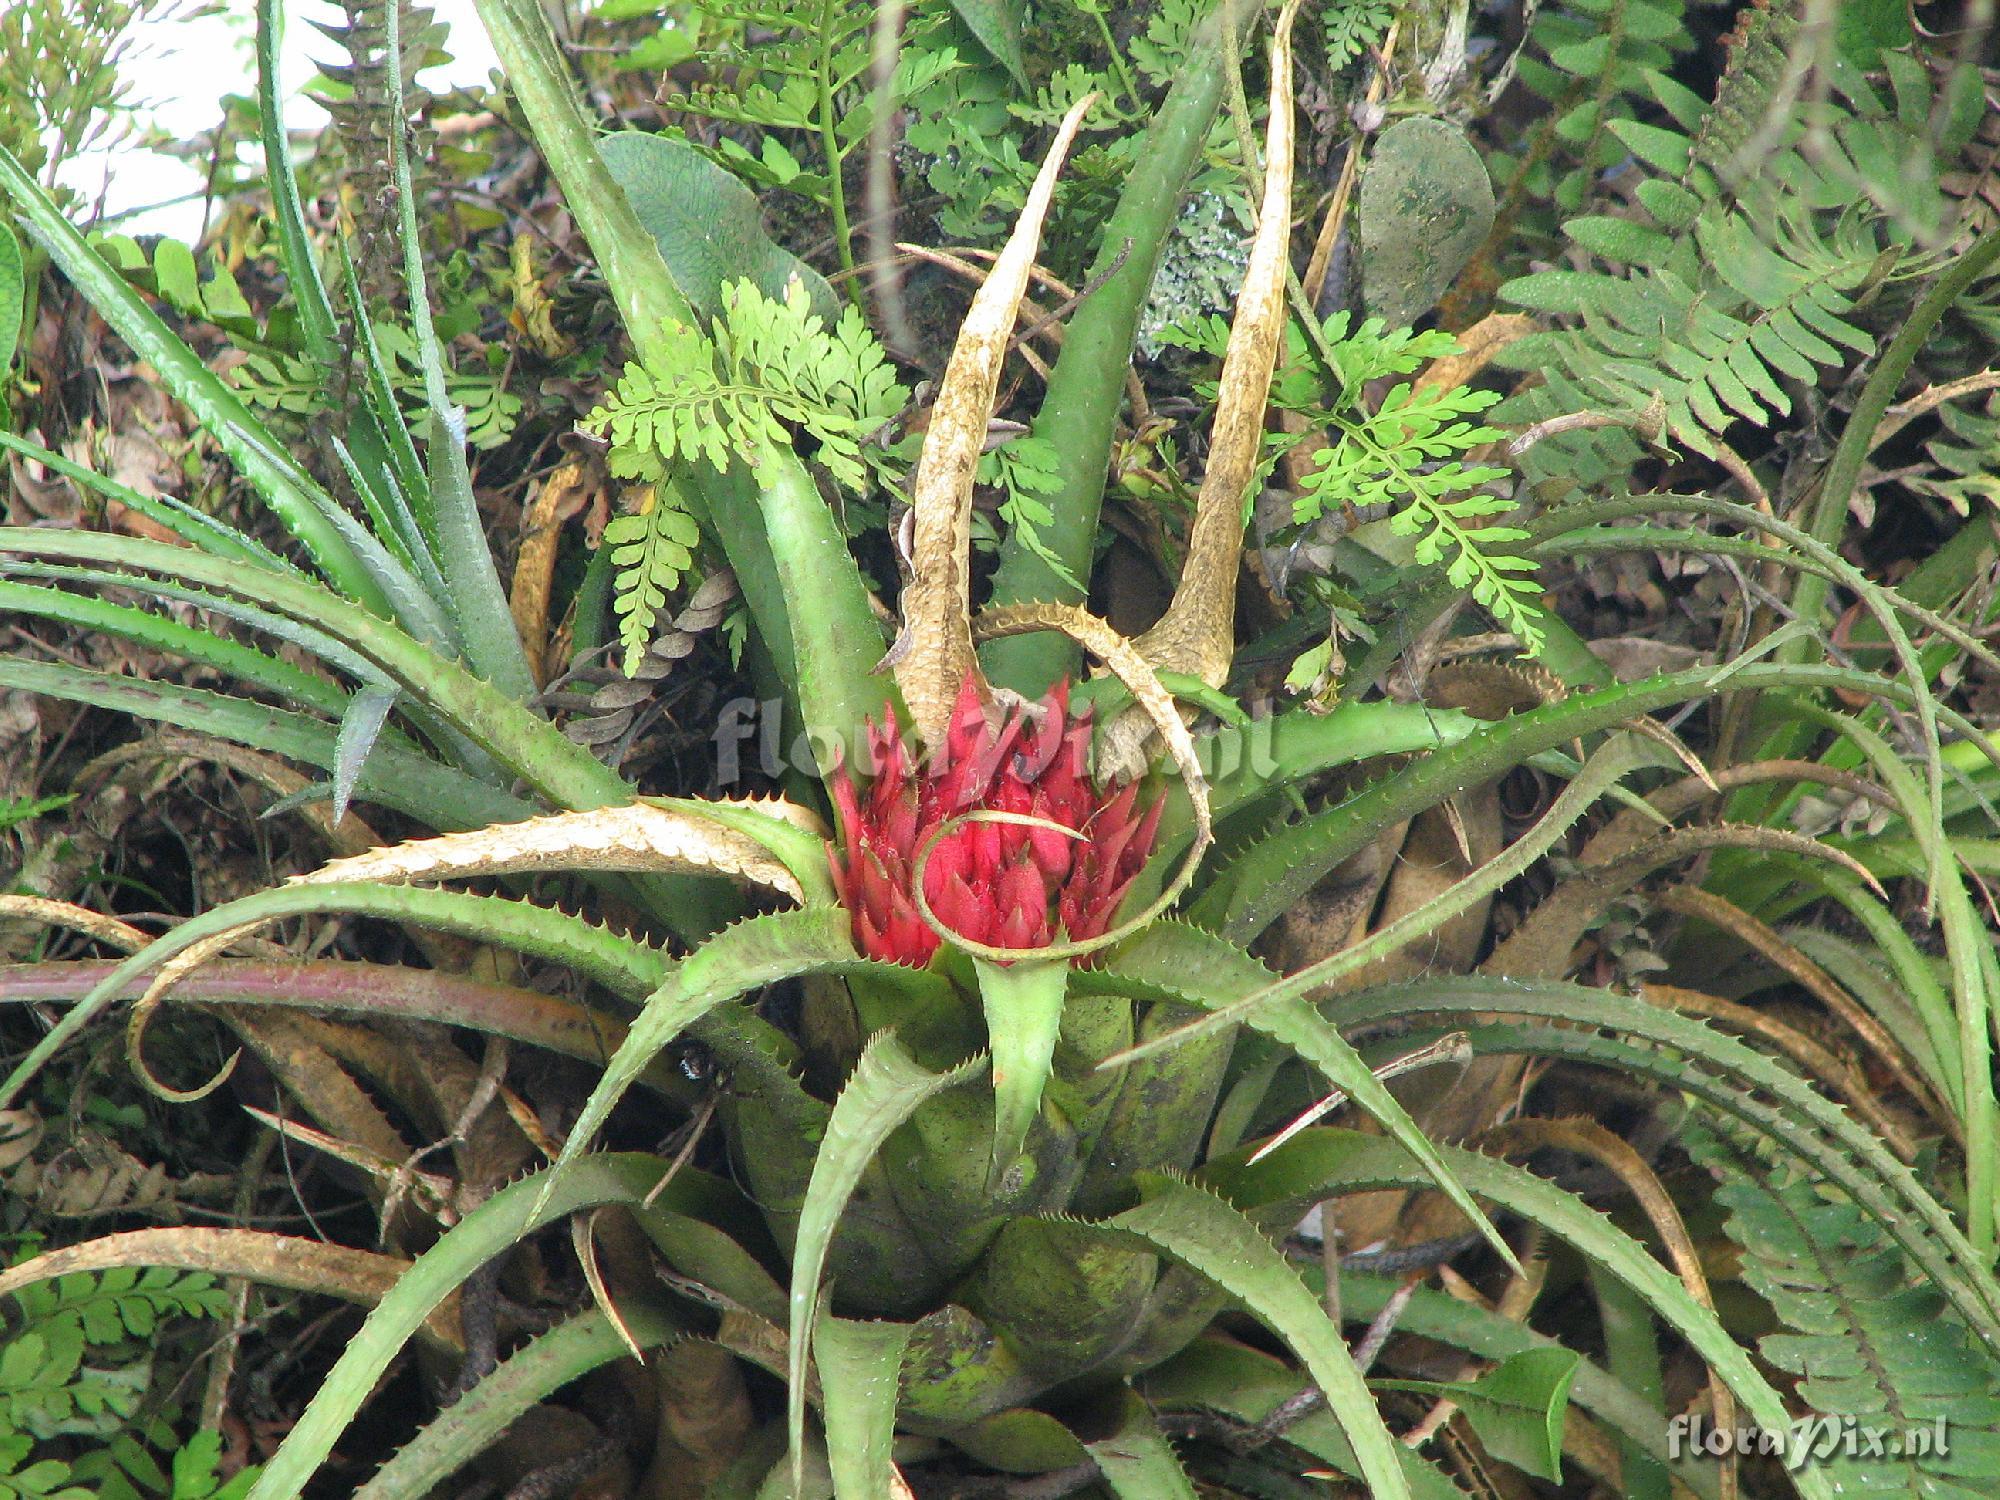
[179,72]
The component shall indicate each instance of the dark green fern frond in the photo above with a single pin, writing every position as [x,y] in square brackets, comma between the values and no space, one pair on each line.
[1831,128]
[1702,304]
[1761,48]
[361,104]
[1965,456]
[1907,1402]
[1589,59]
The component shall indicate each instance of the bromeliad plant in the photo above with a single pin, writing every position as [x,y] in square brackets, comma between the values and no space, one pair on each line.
[989,1185]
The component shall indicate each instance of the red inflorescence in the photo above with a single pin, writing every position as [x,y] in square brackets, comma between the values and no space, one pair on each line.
[1002,884]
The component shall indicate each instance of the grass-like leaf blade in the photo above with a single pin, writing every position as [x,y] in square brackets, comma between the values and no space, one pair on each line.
[885,1088]
[1208,1236]
[860,1368]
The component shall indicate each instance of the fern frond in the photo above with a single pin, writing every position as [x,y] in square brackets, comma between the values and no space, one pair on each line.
[1881,1357]
[772,369]
[1965,457]
[360,105]
[46,1386]
[771,366]
[1025,470]
[297,384]
[799,73]
[836,384]
[1590,59]
[1723,286]
[1351,27]
[650,551]
[1406,454]
[1161,48]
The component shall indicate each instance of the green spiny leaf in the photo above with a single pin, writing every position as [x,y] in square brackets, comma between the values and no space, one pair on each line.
[1212,1238]
[860,1366]
[886,1086]
[1137,1461]
[13,291]
[1024,1011]
[360,727]
[762,950]
[537,1370]
[503,1220]
[1516,1408]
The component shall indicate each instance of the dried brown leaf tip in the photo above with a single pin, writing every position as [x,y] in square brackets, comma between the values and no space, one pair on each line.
[637,836]
[933,654]
[1198,631]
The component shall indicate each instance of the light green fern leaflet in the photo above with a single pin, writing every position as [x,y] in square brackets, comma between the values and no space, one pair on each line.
[1351,27]
[773,367]
[77,1368]
[46,1385]
[650,551]
[1026,470]
[1407,453]
[773,372]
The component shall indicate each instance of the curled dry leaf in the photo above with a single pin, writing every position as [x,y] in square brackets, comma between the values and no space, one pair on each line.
[933,654]
[575,483]
[1198,632]
[635,837]
[93,1177]
[639,837]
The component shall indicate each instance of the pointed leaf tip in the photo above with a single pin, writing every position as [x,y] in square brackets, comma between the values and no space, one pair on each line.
[1024,1010]
[933,654]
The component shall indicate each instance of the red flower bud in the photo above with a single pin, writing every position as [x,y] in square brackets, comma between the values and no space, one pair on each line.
[1005,885]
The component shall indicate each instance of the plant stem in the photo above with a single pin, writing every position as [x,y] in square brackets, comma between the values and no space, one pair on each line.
[1117,57]
[829,140]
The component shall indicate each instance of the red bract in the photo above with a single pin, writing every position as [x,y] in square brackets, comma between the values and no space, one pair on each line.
[1001,884]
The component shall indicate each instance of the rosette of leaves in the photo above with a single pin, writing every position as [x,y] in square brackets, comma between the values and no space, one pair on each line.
[1004,1199]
